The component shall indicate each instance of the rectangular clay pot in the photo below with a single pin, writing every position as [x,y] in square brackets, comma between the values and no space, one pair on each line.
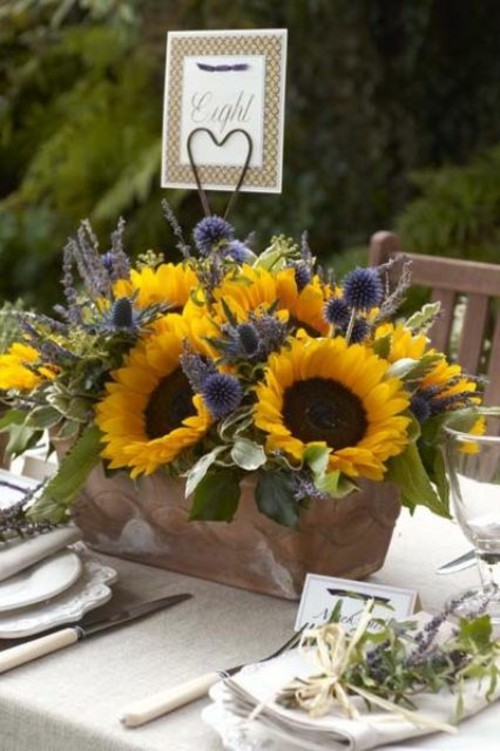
[147,521]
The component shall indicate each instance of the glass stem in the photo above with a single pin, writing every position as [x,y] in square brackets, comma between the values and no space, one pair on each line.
[489,571]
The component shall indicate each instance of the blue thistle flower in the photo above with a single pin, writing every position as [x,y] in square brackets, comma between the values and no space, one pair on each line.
[238,252]
[360,331]
[433,400]
[421,407]
[363,289]
[272,333]
[249,338]
[222,393]
[122,313]
[255,339]
[210,231]
[337,312]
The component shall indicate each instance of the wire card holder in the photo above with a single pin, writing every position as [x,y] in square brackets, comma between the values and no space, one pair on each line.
[220,143]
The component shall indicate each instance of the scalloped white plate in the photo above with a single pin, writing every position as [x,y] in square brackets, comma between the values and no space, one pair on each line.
[41,581]
[89,591]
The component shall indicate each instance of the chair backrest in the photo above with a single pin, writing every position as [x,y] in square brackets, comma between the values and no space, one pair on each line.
[476,287]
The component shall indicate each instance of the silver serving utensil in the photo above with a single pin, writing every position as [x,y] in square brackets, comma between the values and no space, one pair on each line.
[458,564]
[144,710]
[31,650]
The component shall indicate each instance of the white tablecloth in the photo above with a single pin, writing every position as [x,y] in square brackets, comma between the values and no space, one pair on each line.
[70,701]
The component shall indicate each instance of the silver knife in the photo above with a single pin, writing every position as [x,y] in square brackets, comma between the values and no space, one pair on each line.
[458,564]
[31,650]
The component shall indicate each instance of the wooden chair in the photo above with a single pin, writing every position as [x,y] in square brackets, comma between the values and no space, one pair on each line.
[454,281]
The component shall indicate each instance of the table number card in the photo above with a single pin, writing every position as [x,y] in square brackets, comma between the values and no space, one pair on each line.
[224,81]
[321,594]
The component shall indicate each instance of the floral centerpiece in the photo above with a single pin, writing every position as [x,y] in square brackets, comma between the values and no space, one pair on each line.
[230,364]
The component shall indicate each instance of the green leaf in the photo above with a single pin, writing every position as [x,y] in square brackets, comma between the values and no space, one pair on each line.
[43,418]
[477,631]
[21,438]
[414,429]
[424,318]
[401,368]
[275,498]
[63,487]
[439,476]
[424,365]
[235,422]
[200,469]
[407,472]
[12,417]
[247,454]
[382,346]
[271,258]
[216,497]
[316,457]
[336,484]
[229,313]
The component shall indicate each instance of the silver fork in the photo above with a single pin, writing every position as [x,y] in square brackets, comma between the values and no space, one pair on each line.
[144,710]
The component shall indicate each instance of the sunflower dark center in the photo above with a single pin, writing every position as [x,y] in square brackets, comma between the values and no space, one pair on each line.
[319,409]
[169,404]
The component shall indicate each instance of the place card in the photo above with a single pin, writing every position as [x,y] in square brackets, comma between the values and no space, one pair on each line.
[224,106]
[322,593]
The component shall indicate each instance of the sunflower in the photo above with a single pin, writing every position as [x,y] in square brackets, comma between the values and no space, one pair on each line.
[168,283]
[18,368]
[254,289]
[403,342]
[448,379]
[307,305]
[326,392]
[149,413]
[445,387]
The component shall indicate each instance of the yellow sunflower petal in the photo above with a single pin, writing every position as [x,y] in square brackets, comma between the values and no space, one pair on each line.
[325,390]
[149,413]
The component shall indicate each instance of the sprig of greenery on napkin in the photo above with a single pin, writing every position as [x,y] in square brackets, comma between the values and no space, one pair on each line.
[390,663]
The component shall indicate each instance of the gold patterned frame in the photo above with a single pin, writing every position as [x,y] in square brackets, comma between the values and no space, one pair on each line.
[265,178]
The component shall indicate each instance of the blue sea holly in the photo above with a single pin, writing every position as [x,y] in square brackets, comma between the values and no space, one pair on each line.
[222,394]
[238,252]
[360,331]
[210,232]
[363,289]
[337,312]
[122,313]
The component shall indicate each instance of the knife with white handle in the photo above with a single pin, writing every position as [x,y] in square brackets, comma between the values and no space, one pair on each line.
[44,645]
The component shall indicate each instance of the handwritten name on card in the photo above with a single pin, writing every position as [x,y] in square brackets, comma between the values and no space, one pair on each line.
[321,594]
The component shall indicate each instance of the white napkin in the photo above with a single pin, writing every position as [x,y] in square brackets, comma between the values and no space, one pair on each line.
[17,555]
[335,732]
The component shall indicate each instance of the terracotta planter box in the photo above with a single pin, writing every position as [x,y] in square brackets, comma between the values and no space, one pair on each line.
[147,521]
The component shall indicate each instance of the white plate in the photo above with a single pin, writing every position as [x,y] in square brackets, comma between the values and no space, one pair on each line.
[37,583]
[90,591]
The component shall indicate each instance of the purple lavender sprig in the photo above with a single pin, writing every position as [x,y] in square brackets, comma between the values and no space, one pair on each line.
[169,215]
[14,521]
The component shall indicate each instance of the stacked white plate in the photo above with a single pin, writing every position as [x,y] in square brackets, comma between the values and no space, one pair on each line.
[46,580]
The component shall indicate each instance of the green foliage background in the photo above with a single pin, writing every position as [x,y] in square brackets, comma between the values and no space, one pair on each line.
[393,116]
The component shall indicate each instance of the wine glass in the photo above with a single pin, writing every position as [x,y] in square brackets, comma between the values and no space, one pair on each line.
[472,459]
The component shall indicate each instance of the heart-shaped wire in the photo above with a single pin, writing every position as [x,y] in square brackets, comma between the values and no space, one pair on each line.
[220,144]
